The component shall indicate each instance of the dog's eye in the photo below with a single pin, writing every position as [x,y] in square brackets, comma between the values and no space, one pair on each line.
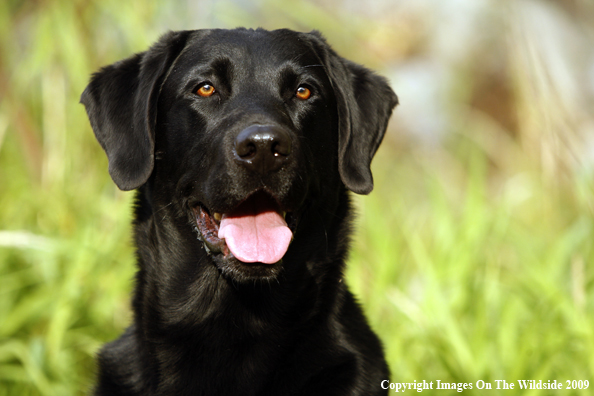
[205,90]
[303,93]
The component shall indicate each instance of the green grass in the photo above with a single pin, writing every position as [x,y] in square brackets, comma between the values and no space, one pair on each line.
[472,261]
[467,280]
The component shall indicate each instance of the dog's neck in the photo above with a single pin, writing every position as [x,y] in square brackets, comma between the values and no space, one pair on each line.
[220,318]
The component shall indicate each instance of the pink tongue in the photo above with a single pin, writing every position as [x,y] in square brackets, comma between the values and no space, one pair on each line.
[255,232]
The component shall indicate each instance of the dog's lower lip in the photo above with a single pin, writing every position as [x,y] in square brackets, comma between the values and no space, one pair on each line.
[208,228]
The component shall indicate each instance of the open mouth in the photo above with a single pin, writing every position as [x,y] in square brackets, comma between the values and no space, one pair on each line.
[255,231]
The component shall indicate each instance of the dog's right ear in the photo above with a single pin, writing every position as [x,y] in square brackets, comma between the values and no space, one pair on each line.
[364,106]
[121,102]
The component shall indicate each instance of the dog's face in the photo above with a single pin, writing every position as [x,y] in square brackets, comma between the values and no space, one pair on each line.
[243,134]
[256,114]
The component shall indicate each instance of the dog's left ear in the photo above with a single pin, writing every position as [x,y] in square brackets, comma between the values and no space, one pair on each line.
[121,102]
[365,102]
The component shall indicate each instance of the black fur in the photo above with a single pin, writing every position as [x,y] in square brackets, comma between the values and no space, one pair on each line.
[204,322]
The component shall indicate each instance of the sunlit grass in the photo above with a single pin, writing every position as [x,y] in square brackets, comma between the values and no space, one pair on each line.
[469,280]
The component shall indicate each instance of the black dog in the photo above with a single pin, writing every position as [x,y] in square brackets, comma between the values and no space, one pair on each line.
[242,145]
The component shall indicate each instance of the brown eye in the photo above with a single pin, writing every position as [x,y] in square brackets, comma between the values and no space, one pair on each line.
[303,93]
[205,90]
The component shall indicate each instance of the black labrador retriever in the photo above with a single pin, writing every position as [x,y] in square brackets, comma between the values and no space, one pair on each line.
[242,145]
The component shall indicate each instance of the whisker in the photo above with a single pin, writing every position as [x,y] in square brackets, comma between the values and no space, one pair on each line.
[305,67]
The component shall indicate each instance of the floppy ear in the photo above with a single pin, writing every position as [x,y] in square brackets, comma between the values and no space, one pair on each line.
[121,102]
[365,102]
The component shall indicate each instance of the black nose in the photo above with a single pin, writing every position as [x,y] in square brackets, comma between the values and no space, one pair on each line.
[262,148]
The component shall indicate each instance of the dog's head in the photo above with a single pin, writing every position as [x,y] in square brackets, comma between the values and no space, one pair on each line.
[241,131]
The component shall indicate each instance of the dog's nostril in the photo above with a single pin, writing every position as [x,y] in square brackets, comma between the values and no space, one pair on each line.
[262,148]
[246,151]
[281,149]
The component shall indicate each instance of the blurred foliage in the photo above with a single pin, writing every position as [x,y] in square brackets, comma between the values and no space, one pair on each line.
[473,256]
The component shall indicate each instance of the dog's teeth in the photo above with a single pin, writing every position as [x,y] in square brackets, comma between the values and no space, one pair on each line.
[284,215]
[218,216]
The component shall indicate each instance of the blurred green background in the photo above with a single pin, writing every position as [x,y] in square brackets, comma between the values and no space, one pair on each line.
[472,257]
